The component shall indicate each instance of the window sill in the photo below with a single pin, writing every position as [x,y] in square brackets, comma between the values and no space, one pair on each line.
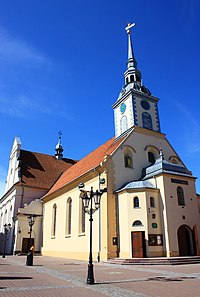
[68,236]
[81,234]
[53,237]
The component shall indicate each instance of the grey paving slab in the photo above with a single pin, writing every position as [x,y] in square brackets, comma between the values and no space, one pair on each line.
[62,277]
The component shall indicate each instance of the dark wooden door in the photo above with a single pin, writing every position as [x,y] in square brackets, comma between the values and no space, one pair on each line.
[26,243]
[138,248]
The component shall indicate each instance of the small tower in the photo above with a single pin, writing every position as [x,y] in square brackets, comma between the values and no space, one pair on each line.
[135,106]
[59,148]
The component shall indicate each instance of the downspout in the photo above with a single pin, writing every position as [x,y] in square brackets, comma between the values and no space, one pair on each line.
[99,251]
[117,224]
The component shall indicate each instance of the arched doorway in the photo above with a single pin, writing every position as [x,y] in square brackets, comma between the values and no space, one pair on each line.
[185,241]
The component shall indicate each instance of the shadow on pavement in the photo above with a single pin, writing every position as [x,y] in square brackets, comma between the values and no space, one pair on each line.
[14,277]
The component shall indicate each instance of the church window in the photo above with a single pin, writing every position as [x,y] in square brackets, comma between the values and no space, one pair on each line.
[54,214]
[147,120]
[137,223]
[81,217]
[68,217]
[180,196]
[136,202]
[123,124]
[151,158]
[132,78]
[127,80]
[152,202]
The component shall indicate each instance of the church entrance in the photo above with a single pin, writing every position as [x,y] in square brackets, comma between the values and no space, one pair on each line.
[26,244]
[138,244]
[185,241]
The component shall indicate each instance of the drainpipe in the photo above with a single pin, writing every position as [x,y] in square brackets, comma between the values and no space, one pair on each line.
[117,224]
[99,251]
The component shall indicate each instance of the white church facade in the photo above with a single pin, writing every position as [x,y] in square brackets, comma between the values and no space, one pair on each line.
[150,206]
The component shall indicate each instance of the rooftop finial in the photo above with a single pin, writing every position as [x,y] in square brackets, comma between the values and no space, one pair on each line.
[59,148]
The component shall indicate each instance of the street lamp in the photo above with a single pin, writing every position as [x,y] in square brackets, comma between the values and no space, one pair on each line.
[87,199]
[31,221]
[7,228]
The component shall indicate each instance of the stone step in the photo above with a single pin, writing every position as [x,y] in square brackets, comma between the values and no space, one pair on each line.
[156,261]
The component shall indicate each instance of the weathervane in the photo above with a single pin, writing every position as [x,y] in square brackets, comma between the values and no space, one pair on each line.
[129,27]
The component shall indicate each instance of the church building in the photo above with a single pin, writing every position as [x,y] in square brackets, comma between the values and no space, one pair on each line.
[149,205]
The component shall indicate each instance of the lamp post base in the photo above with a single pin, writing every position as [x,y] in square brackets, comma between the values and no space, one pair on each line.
[90,277]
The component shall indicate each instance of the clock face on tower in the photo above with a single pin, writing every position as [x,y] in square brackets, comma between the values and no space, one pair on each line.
[123,107]
[145,105]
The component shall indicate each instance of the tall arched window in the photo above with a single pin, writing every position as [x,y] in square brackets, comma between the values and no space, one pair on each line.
[136,202]
[68,217]
[147,120]
[180,196]
[123,124]
[54,214]
[81,217]
[128,159]
[152,202]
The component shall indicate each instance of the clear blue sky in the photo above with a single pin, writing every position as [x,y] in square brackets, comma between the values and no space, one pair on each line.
[62,65]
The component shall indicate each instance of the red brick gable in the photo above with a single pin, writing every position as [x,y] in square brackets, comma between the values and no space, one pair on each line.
[87,163]
[41,170]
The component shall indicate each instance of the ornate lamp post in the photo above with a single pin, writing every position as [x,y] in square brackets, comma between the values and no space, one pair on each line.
[31,222]
[7,228]
[29,258]
[89,199]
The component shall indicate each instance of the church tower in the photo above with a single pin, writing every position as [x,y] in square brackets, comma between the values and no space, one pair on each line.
[135,106]
[59,148]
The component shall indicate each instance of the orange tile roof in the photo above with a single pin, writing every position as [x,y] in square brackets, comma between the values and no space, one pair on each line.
[86,164]
[41,170]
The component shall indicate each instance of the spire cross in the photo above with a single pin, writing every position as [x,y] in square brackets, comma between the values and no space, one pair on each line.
[128,27]
[60,134]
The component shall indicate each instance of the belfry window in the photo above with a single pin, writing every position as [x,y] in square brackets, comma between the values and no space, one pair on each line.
[123,124]
[136,202]
[151,158]
[180,196]
[132,78]
[54,214]
[147,120]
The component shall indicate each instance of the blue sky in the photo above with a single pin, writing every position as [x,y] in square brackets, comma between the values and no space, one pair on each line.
[62,65]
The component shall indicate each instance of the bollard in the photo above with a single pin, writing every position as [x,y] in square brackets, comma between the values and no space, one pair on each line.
[29,259]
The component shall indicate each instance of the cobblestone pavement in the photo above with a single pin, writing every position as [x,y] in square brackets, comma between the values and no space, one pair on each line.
[63,277]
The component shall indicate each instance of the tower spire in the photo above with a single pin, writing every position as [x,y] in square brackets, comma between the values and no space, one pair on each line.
[59,148]
[132,74]
[131,59]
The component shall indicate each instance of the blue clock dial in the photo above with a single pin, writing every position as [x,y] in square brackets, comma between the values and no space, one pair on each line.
[123,107]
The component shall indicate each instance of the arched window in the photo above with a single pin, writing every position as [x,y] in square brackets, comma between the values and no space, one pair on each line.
[81,217]
[123,124]
[180,196]
[147,121]
[132,78]
[68,217]
[136,202]
[54,214]
[137,223]
[152,202]
[128,158]
[151,158]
